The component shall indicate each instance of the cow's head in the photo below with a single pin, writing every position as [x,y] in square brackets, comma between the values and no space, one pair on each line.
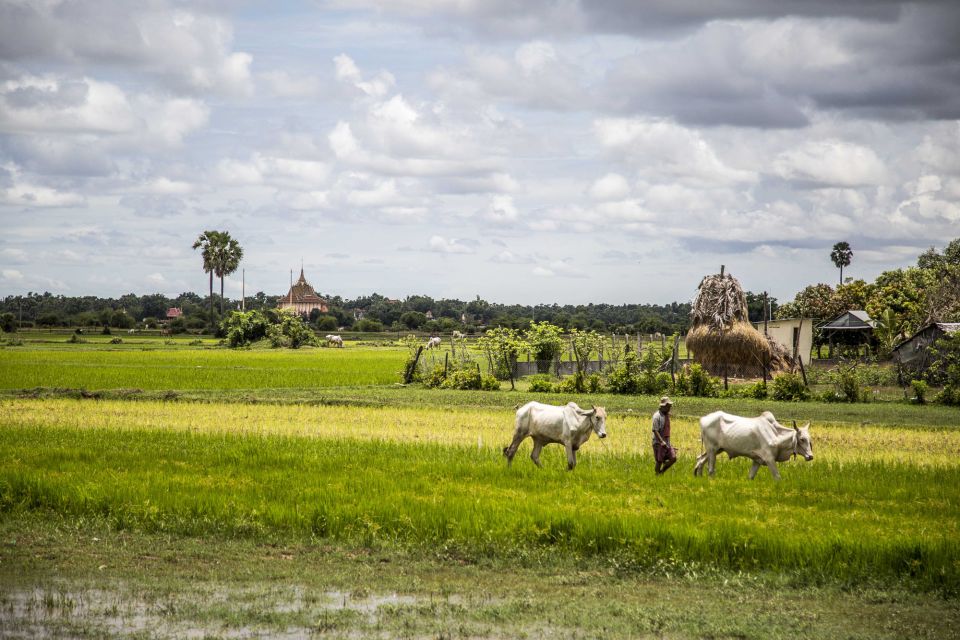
[598,420]
[804,445]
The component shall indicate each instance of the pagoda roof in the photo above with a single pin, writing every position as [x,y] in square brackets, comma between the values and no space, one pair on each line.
[301,292]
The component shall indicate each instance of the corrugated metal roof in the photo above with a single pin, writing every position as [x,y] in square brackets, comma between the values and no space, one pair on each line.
[854,319]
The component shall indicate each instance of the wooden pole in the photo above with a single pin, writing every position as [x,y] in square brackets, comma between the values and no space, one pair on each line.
[766,360]
[408,374]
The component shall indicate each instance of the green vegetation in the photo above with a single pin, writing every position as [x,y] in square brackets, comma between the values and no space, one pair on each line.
[418,478]
[197,368]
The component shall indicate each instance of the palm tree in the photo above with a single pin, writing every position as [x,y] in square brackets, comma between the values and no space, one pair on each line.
[841,256]
[226,258]
[206,243]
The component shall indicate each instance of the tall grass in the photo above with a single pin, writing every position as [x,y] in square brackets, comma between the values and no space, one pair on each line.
[436,479]
[198,368]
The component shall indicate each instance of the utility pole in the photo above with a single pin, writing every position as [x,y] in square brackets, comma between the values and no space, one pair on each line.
[243,290]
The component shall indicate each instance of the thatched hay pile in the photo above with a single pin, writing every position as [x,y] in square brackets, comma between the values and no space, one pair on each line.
[722,335]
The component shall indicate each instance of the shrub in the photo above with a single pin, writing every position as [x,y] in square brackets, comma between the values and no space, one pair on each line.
[326,323]
[106,330]
[240,329]
[435,378]
[694,380]
[291,331]
[8,322]
[540,382]
[949,395]
[568,385]
[489,383]
[470,378]
[920,389]
[847,382]
[76,338]
[368,326]
[625,378]
[116,340]
[594,383]
[789,387]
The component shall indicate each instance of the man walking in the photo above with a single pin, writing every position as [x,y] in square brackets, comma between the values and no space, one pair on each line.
[664,454]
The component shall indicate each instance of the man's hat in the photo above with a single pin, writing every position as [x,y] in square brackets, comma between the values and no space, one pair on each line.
[665,402]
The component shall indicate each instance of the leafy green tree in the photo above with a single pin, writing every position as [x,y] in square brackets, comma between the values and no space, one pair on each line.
[503,346]
[815,301]
[241,329]
[545,344]
[841,255]
[889,331]
[290,331]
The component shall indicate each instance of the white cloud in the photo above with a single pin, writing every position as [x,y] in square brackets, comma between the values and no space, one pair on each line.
[612,186]
[186,49]
[12,275]
[376,87]
[439,244]
[831,162]
[668,149]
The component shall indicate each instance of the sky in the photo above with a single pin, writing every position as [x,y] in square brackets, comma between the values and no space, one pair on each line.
[566,151]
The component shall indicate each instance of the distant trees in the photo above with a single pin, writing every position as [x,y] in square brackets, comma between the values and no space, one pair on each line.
[841,255]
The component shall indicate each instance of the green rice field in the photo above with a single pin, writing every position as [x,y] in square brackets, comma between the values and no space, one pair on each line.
[198,368]
[201,448]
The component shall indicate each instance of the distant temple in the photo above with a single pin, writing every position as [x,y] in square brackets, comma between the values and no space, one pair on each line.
[302,299]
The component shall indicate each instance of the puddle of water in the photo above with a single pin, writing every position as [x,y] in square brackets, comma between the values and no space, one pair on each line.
[55,611]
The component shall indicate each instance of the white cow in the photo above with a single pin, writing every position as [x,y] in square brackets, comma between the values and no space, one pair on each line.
[433,343]
[457,335]
[568,425]
[762,439]
[334,340]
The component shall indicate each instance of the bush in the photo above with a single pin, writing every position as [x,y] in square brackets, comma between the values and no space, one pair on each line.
[368,326]
[694,380]
[847,382]
[470,379]
[433,379]
[117,340]
[106,330]
[920,389]
[755,391]
[326,323]
[789,387]
[541,382]
[567,385]
[76,338]
[291,331]
[949,395]
[8,322]
[595,383]
[240,329]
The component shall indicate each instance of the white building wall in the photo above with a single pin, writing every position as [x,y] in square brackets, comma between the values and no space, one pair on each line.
[783,331]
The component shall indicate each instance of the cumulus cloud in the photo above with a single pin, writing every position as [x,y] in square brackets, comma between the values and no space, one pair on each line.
[187,49]
[439,244]
[831,162]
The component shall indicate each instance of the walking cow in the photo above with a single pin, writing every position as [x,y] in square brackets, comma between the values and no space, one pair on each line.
[568,425]
[762,439]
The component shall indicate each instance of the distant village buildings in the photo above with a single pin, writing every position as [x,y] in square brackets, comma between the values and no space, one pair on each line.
[302,299]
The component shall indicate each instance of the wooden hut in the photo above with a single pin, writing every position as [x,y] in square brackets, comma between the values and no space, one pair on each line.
[914,352]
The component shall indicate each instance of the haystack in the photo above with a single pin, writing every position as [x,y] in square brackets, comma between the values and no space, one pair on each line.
[722,336]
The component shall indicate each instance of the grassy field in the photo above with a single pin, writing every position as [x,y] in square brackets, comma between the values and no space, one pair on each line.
[198,368]
[246,493]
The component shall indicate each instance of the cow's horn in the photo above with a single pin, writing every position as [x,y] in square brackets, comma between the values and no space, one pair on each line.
[794,424]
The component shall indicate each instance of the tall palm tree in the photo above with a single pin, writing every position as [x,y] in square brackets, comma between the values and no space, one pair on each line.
[206,243]
[841,256]
[226,258]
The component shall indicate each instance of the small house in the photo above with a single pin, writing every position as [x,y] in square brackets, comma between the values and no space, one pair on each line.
[914,352]
[795,334]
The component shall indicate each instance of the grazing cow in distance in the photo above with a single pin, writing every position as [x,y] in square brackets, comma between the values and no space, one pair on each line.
[334,340]
[568,425]
[762,439]
[433,343]
[457,335]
